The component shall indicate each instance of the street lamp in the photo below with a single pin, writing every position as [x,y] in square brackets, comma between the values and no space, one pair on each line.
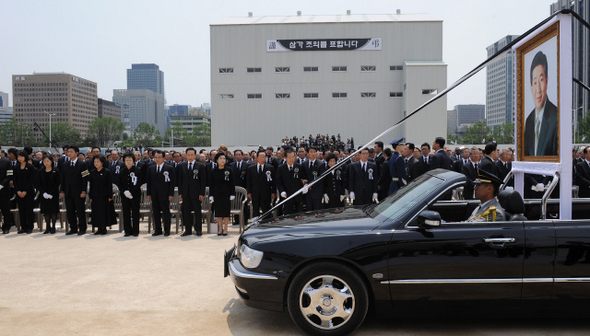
[50,115]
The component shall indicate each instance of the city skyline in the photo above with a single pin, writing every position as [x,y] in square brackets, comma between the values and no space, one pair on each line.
[100,41]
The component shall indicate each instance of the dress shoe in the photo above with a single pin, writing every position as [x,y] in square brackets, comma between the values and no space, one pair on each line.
[47,231]
[5,231]
[127,235]
[186,234]
[52,230]
[29,231]
[156,234]
[199,234]
[104,232]
[97,232]
[71,232]
[135,234]
[81,233]
[219,234]
[166,234]
[22,231]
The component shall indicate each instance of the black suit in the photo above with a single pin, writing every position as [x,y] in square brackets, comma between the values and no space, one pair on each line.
[115,170]
[503,170]
[362,183]
[379,159]
[409,164]
[261,186]
[471,173]
[384,181]
[440,160]
[6,174]
[547,134]
[131,179]
[160,186]
[240,173]
[458,165]
[313,198]
[532,180]
[488,165]
[583,179]
[74,180]
[289,182]
[191,185]
[24,181]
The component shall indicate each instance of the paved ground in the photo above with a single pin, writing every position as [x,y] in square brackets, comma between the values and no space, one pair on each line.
[112,285]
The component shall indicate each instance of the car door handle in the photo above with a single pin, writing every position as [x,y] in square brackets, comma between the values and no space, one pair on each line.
[499,240]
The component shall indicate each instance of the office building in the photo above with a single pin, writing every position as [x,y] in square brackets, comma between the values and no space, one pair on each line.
[468,114]
[452,121]
[176,110]
[109,109]
[4,100]
[195,118]
[146,76]
[69,98]
[356,75]
[5,114]
[139,106]
[500,88]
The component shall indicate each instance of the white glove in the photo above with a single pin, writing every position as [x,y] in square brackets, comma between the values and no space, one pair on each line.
[46,195]
[305,190]
[1,187]
[541,186]
[352,195]
[284,194]
[127,194]
[375,197]
[342,197]
[211,199]
[326,198]
[508,188]
[232,197]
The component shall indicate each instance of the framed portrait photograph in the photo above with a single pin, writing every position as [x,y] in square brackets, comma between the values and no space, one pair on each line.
[537,96]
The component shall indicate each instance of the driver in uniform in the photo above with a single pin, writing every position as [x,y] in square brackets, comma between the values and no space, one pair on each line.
[486,189]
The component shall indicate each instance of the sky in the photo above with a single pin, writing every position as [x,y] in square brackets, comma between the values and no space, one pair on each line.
[99,40]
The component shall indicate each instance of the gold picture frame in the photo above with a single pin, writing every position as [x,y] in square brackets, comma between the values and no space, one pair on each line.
[538,143]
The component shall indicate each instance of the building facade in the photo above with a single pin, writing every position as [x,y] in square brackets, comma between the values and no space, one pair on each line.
[69,98]
[139,106]
[468,114]
[109,109]
[146,76]
[452,121]
[4,100]
[356,75]
[176,110]
[581,53]
[195,118]
[500,88]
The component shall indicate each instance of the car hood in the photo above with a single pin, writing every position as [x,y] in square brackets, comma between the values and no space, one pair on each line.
[314,223]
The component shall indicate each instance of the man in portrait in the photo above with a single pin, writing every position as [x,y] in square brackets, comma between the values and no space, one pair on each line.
[540,133]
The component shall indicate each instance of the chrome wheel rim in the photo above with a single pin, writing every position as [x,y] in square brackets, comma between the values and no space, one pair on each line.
[326,302]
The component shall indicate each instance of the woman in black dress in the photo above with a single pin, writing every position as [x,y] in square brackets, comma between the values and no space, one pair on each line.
[335,183]
[101,193]
[130,182]
[222,189]
[48,186]
[24,178]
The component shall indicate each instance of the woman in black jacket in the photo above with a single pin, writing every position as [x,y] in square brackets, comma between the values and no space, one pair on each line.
[101,193]
[222,190]
[130,181]
[24,178]
[48,180]
[335,184]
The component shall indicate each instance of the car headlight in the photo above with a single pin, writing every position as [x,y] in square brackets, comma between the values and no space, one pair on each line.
[250,258]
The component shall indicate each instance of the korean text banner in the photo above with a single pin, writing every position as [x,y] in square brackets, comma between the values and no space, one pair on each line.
[323,44]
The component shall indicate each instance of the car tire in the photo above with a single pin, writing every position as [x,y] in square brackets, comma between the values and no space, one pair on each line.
[327,298]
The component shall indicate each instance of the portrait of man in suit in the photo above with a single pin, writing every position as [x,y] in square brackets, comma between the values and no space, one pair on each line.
[541,126]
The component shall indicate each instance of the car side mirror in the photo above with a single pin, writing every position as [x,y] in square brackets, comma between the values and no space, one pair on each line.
[429,219]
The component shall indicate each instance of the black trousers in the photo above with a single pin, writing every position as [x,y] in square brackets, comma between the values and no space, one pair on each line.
[191,203]
[25,211]
[258,204]
[161,210]
[292,206]
[131,210]
[75,207]
[5,208]
[313,203]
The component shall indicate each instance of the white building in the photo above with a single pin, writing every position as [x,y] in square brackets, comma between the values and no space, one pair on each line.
[356,75]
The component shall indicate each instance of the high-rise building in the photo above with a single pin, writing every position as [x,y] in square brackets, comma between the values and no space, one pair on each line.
[3,100]
[176,110]
[468,114]
[357,75]
[109,109]
[581,54]
[500,89]
[139,106]
[145,76]
[452,121]
[70,98]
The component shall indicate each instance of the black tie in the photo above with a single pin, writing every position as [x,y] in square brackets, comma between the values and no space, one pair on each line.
[71,163]
[190,166]
[259,169]
[239,165]
[476,166]
[290,168]
[159,169]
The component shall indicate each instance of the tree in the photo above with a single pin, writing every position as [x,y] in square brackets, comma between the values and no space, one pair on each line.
[478,133]
[201,135]
[179,132]
[583,134]
[103,132]
[64,133]
[504,134]
[146,135]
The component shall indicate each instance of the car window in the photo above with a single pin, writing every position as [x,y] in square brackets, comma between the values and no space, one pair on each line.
[405,198]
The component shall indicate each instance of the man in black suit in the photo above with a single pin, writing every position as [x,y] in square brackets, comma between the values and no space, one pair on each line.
[290,178]
[470,171]
[379,159]
[362,181]
[540,132]
[488,163]
[74,179]
[583,175]
[191,190]
[6,173]
[384,176]
[63,158]
[504,166]
[314,168]
[463,160]
[160,189]
[239,168]
[440,159]
[261,183]
[269,159]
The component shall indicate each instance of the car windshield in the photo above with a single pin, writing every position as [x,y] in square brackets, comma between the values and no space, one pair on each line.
[405,198]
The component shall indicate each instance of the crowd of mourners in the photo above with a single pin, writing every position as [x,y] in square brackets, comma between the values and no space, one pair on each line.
[39,179]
